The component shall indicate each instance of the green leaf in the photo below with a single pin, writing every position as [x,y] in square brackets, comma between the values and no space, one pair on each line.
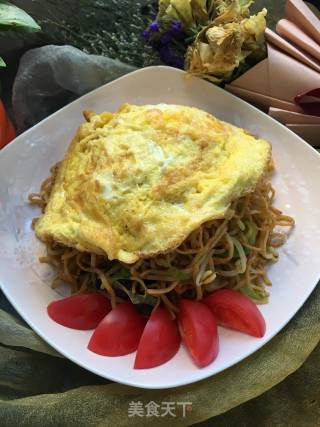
[14,18]
[254,294]
[136,298]
[252,234]
[178,274]
[123,273]
[2,63]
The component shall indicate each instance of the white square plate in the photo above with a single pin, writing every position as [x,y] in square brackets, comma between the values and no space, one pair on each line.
[26,162]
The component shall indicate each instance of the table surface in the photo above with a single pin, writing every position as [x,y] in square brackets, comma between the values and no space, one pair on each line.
[299,393]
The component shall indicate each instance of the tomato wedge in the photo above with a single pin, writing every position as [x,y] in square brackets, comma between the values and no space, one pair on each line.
[199,332]
[83,311]
[160,340]
[119,332]
[236,311]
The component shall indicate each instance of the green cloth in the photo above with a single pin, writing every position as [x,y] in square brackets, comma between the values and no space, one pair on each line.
[40,388]
[294,402]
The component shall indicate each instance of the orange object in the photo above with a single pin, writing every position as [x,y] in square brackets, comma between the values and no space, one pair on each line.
[7,131]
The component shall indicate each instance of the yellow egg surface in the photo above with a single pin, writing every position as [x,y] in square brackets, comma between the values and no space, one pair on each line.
[137,182]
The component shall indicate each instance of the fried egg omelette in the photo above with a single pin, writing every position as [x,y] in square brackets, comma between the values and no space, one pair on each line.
[137,182]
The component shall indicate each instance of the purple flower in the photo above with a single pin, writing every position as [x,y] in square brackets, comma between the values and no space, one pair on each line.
[178,62]
[167,42]
[146,34]
[166,38]
[166,54]
[176,30]
[176,25]
[155,43]
[169,57]
[154,26]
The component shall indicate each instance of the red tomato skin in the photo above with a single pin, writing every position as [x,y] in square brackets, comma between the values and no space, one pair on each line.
[119,332]
[236,311]
[3,125]
[7,131]
[199,331]
[159,342]
[82,312]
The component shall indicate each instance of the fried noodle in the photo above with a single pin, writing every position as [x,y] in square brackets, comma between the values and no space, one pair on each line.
[232,252]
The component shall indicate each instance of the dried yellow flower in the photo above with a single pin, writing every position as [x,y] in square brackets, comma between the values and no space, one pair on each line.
[220,48]
[190,13]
